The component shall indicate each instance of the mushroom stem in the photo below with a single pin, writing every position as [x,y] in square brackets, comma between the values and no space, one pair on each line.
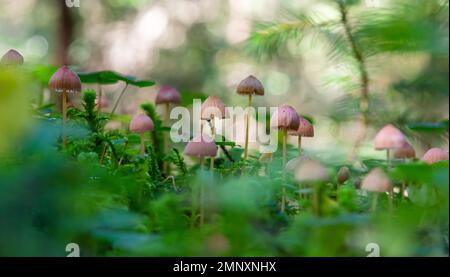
[64,115]
[283,197]
[118,100]
[213,134]
[100,95]
[391,200]
[388,157]
[202,196]
[374,202]
[142,145]
[247,126]
[123,153]
[103,153]
[299,145]
[166,140]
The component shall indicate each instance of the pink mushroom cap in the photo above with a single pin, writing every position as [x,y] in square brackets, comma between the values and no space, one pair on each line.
[213,107]
[405,152]
[65,80]
[305,129]
[376,181]
[12,57]
[168,94]
[389,137]
[141,123]
[249,86]
[201,146]
[435,155]
[285,118]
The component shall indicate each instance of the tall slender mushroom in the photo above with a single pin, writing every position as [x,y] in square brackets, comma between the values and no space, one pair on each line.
[140,124]
[305,129]
[377,182]
[284,119]
[311,171]
[12,58]
[211,109]
[167,95]
[435,155]
[389,138]
[65,81]
[249,86]
[201,146]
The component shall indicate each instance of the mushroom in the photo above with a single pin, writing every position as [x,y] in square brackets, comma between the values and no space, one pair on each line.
[311,171]
[285,118]
[167,95]
[12,58]
[343,175]
[435,155]
[140,124]
[305,129]
[405,152]
[201,146]
[377,182]
[64,81]
[211,109]
[389,138]
[249,86]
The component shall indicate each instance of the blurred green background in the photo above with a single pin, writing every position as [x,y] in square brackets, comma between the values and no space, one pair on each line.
[306,53]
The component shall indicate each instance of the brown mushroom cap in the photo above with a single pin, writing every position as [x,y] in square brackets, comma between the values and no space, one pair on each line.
[435,155]
[249,86]
[405,152]
[168,94]
[12,58]
[310,171]
[213,107]
[285,118]
[141,123]
[305,129]
[376,181]
[389,137]
[65,80]
[201,146]
[343,175]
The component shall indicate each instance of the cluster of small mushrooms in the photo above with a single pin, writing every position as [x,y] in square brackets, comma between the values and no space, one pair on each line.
[286,119]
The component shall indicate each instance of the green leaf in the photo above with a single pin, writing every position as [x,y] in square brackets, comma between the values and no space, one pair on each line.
[110,77]
[430,127]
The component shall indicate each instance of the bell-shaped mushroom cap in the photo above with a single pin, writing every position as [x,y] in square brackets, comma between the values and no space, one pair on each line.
[201,146]
[405,152]
[294,163]
[285,118]
[376,181]
[435,155]
[65,80]
[250,85]
[141,123]
[389,137]
[213,107]
[12,58]
[168,94]
[311,171]
[343,175]
[305,129]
